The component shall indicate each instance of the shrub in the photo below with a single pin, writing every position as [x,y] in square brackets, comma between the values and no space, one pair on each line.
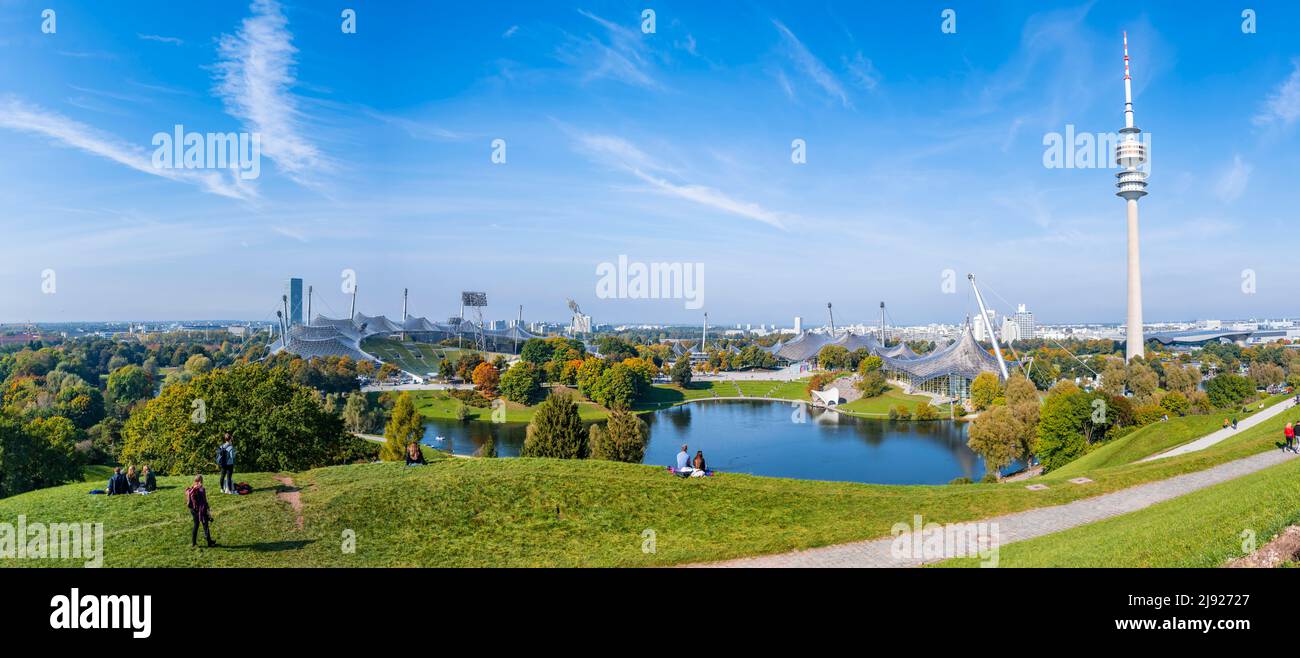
[818,381]
[961,480]
[901,412]
[1147,414]
[556,430]
[925,412]
[41,453]
[1175,403]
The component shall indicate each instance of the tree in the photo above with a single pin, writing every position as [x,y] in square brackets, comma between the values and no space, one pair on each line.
[486,379]
[618,387]
[871,377]
[995,436]
[126,386]
[405,427]
[1114,378]
[536,351]
[590,372]
[1142,381]
[556,430]
[522,382]
[984,390]
[833,357]
[1020,390]
[925,412]
[1265,375]
[1226,390]
[1182,379]
[623,439]
[278,425]
[41,453]
[1175,403]
[681,371]
[198,364]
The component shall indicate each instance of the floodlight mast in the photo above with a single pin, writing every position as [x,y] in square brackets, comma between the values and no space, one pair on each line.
[993,335]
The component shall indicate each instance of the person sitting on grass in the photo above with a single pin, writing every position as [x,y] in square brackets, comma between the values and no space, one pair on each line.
[683,459]
[196,499]
[150,482]
[414,456]
[700,469]
[117,483]
[132,480]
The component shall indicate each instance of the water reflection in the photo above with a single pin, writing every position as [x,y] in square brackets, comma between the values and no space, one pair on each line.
[772,439]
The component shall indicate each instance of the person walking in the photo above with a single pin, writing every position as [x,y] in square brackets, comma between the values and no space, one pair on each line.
[226,460]
[196,499]
[1234,422]
[1289,433]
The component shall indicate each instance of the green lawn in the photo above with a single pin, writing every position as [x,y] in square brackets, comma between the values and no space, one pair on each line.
[1152,439]
[439,404]
[1201,529]
[881,404]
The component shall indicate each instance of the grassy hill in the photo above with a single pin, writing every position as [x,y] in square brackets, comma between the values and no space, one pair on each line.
[536,512]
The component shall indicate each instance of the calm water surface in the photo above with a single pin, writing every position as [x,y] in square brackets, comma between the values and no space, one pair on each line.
[772,439]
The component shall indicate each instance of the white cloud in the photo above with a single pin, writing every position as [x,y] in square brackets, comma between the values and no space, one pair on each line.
[16,115]
[1233,180]
[622,154]
[254,77]
[813,67]
[510,32]
[1283,105]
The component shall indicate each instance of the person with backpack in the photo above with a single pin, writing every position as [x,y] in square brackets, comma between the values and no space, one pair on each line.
[226,460]
[196,499]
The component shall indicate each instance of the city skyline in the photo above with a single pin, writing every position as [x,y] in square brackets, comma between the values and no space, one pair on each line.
[671,146]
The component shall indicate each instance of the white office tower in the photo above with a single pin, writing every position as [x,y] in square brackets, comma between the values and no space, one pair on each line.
[1132,183]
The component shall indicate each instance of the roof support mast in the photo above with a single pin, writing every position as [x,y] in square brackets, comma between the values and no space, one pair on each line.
[993,334]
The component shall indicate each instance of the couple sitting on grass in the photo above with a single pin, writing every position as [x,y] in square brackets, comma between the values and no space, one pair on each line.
[129,482]
[687,467]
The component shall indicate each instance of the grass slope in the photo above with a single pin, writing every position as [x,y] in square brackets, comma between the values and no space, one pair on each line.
[1201,529]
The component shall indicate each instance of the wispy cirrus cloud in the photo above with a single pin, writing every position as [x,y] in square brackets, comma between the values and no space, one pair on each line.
[255,78]
[160,39]
[1233,180]
[811,66]
[621,154]
[23,117]
[1283,105]
[622,55]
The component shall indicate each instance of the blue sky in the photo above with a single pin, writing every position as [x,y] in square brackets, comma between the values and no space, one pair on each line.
[924,154]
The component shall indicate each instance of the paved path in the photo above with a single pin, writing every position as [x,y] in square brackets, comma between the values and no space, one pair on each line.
[1215,437]
[1028,524]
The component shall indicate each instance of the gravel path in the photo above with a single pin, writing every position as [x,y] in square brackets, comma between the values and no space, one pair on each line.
[1215,437]
[1028,524]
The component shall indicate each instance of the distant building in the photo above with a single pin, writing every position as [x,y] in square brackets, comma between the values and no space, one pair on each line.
[1025,322]
[798,324]
[983,326]
[294,291]
[581,323]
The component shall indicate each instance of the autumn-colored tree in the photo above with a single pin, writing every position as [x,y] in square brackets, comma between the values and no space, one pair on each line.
[486,377]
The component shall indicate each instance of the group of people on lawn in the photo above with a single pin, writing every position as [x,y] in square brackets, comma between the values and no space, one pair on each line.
[196,496]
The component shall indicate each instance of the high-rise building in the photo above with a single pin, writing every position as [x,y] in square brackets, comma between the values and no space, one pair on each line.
[1024,320]
[983,325]
[1132,183]
[294,290]
[798,324]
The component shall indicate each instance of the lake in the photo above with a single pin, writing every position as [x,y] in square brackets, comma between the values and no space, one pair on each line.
[772,439]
